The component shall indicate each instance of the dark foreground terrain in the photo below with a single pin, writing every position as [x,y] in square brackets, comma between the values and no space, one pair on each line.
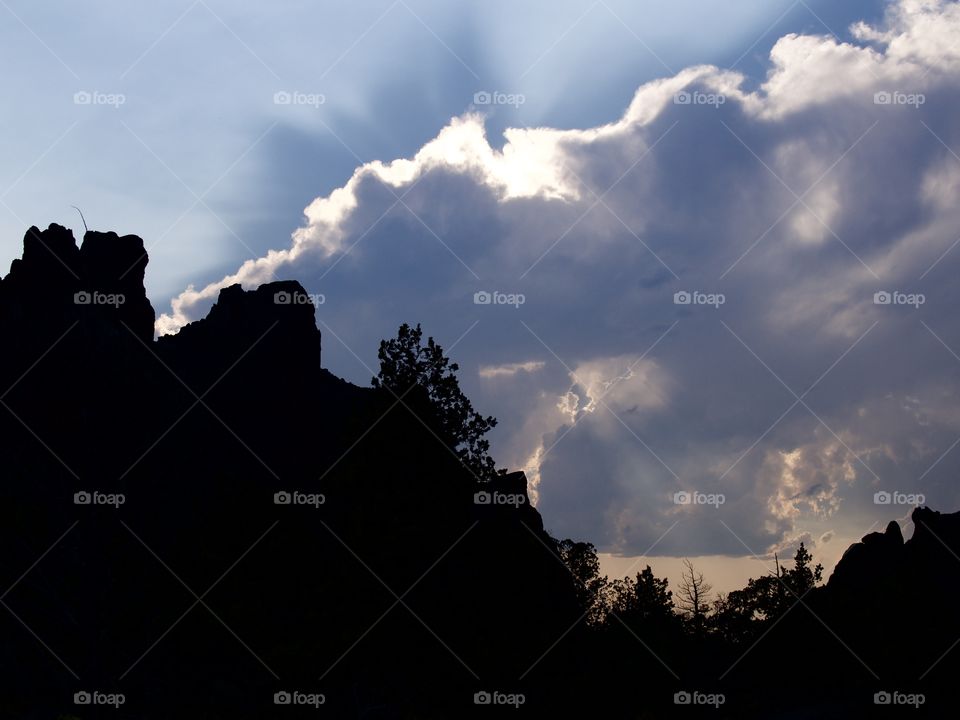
[210,525]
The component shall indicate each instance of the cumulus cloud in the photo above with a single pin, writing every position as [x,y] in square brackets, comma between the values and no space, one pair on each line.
[732,289]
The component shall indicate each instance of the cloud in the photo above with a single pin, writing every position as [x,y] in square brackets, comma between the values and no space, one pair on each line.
[793,392]
[511,369]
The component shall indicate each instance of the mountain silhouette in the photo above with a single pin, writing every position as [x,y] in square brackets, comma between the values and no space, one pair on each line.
[214,526]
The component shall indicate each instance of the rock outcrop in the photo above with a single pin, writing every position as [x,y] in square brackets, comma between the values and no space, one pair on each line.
[55,282]
[228,432]
[884,560]
[872,560]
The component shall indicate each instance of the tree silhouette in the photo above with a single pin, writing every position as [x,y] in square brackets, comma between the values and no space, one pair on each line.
[802,578]
[740,613]
[590,588]
[693,595]
[645,598]
[409,367]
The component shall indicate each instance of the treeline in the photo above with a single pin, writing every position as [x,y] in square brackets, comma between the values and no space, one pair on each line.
[646,601]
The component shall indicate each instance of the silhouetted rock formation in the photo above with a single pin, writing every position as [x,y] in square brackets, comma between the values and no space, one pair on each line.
[867,562]
[56,281]
[884,560]
[115,266]
[240,319]
[204,434]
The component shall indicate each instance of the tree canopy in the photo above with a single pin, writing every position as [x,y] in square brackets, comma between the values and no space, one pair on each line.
[408,367]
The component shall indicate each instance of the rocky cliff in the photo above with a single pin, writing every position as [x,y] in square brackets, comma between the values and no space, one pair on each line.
[234,520]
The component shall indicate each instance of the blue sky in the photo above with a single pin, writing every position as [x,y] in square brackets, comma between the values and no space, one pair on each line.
[198,118]
[785,186]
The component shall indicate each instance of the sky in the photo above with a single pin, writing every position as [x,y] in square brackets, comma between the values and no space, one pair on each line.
[717,240]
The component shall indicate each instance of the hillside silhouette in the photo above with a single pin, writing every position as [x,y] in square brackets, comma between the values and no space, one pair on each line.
[210,523]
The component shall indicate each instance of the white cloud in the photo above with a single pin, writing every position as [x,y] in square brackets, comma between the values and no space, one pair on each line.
[807,71]
[625,383]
